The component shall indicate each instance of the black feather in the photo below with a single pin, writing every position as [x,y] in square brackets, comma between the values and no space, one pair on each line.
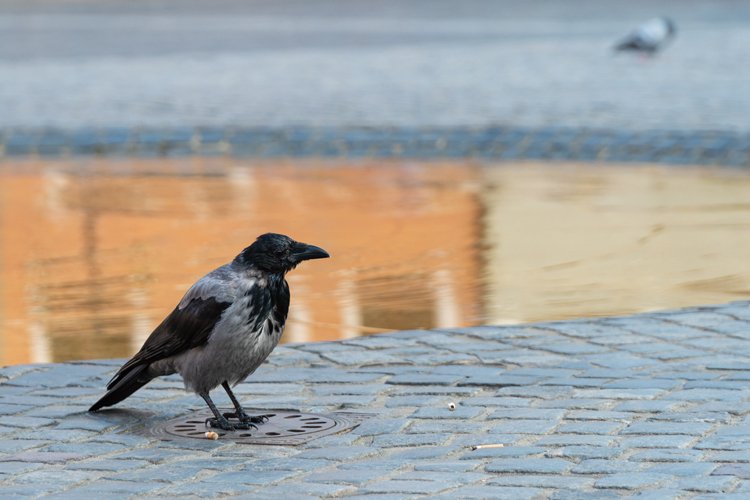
[126,385]
[183,329]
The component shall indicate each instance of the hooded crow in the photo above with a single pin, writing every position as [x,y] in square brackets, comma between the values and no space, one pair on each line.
[224,327]
[650,36]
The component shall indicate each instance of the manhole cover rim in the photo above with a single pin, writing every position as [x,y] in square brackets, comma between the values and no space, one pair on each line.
[283,427]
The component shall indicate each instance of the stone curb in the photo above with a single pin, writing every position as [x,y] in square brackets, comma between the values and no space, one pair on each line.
[490,143]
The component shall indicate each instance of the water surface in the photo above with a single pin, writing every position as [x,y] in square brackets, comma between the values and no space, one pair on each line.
[94,253]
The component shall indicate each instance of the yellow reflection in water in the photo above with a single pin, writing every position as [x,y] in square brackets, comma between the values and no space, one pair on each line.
[94,253]
[584,241]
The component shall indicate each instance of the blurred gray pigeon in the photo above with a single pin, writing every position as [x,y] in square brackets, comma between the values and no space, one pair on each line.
[649,37]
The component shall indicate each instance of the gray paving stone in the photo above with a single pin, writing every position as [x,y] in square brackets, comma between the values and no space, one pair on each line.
[683,469]
[414,401]
[204,489]
[377,426]
[589,415]
[573,348]
[661,428]
[433,476]
[495,491]
[576,403]
[586,452]
[24,491]
[293,491]
[666,455]
[12,468]
[27,422]
[577,382]
[398,440]
[460,412]
[360,358]
[501,380]
[506,451]
[153,455]
[387,465]
[741,470]
[16,445]
[544,481]
[519,426]
[356,477]
[167,473]
[409,487]
[254,477]
[13,409]
[728,443]
[43,457]
[341,453]
[91,449]
[107,465]
[729,456]
[469,441]
[656,441]
[705,415]
[457,427]
[615,394]
[658,493]
[599,466]
[62,435]
[707,395]
[504,402]
[423,379]
[529,466]
[106,490]
[590,427]
[448,466]
[527,414]
[576,440]
[706,484]
[631,481]
[56,477]
[84,423]
[642,383]
[647,406]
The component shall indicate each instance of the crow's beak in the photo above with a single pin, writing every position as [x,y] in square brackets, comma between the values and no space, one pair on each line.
[307,252]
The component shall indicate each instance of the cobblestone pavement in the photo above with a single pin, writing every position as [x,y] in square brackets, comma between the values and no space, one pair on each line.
[651,406]
[343,63]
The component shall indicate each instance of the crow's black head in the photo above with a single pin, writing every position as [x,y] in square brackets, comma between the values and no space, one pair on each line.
[277,253]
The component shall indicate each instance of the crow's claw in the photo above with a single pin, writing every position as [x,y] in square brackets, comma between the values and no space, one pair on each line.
[222,424]
[245,418]
[245,426]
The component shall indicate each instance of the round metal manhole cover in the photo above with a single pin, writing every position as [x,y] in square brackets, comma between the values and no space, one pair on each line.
[279,427]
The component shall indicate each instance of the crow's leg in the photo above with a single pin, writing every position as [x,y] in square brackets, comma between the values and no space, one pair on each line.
[239,412]
[220,420]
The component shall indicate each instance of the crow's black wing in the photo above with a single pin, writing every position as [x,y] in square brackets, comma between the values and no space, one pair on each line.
[186,327]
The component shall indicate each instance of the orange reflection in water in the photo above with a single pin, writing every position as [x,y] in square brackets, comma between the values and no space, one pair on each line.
[94,253]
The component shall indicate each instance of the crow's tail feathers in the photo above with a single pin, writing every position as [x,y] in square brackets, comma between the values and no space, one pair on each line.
[123,385]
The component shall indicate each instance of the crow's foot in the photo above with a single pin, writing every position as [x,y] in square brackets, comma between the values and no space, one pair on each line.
[225,425]
[247,419]
[219,423]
